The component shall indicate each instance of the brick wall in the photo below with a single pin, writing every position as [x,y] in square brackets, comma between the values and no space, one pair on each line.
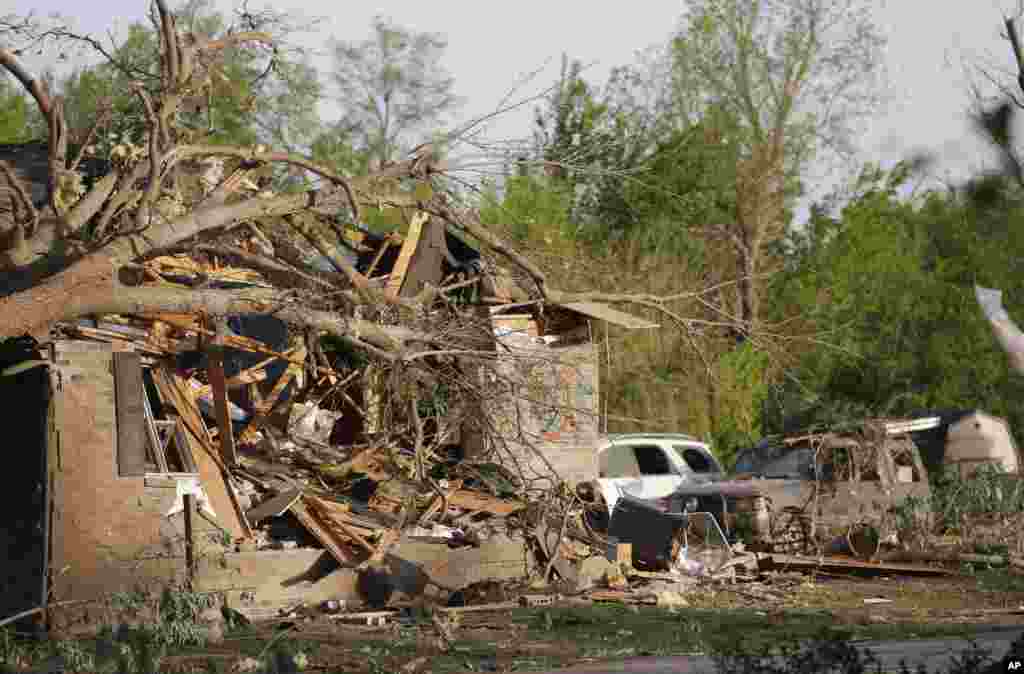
[108,532]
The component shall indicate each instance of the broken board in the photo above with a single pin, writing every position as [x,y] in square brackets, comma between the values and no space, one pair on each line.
[274,506]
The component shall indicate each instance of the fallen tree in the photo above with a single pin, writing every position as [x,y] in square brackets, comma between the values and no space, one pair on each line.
[81,253]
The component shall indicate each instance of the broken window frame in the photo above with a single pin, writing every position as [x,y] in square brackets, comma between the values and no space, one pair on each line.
[159,444]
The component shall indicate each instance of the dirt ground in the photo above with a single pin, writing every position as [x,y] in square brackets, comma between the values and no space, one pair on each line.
[571,632]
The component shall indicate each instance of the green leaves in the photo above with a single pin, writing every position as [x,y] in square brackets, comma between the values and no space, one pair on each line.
[889,289]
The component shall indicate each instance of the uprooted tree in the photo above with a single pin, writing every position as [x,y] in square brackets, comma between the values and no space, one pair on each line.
[80,253]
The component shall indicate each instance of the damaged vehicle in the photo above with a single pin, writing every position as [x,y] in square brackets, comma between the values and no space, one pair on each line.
[652,466]
[670,472]
[790,494]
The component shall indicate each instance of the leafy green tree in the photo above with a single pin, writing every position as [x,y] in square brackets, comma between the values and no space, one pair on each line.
[888,289]
[14,113]
[392,86]
[794,76]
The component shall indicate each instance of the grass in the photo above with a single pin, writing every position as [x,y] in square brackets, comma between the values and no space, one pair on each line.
[601,630]
[525,639]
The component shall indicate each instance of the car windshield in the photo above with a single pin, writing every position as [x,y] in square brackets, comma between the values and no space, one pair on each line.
[698,461]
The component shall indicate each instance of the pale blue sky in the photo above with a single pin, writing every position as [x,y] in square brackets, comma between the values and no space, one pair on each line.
[493,44]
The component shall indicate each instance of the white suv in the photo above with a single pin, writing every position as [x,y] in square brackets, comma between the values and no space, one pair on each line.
[652,466]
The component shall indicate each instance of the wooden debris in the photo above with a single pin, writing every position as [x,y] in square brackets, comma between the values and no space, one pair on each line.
[497,606]
[274,506]
[439,501]
[372,618]
[326,537]
[471,500]
[215,373]
[849,565]
[265,406]
[212,472]
[412,241]
[337,523]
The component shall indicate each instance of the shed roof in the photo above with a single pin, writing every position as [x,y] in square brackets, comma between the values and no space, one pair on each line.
[603,312]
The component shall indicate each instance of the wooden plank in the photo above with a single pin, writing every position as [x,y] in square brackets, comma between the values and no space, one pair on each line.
[427,264]
[497,606]
[301,512]
[412,240]
[340,524]
[131,415]
[256,373]
[212,472]
[267,404]
[833,564]
[166,480]
[471,500]
[215,374]
[436,504]
[274,506]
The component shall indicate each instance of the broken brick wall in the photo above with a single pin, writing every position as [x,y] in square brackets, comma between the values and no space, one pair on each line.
[108,532]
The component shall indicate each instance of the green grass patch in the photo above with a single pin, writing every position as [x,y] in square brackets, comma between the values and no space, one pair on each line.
[622,631]
[996,579]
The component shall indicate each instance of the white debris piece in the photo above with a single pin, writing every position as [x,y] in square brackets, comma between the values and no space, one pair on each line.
[191,486]
[1009,335]
[309,422]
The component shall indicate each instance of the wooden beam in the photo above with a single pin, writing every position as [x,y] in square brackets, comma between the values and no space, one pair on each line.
[218,386]
[301,512]
[470,500]
[274,506]
[267,404]
[412,240]
[190,565]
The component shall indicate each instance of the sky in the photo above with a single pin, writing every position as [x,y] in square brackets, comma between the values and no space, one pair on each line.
[493,45]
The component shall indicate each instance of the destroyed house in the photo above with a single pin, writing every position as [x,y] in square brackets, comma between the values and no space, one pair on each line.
[129,475]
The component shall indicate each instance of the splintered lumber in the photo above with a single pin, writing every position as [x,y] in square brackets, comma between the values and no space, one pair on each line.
[412,241]
[274,506]
[439,501]
[215,373]
[265,406]
[213,473]
[339,524]
[256,373]
[327,538]
[471,500]
[99,334]
[848,565]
